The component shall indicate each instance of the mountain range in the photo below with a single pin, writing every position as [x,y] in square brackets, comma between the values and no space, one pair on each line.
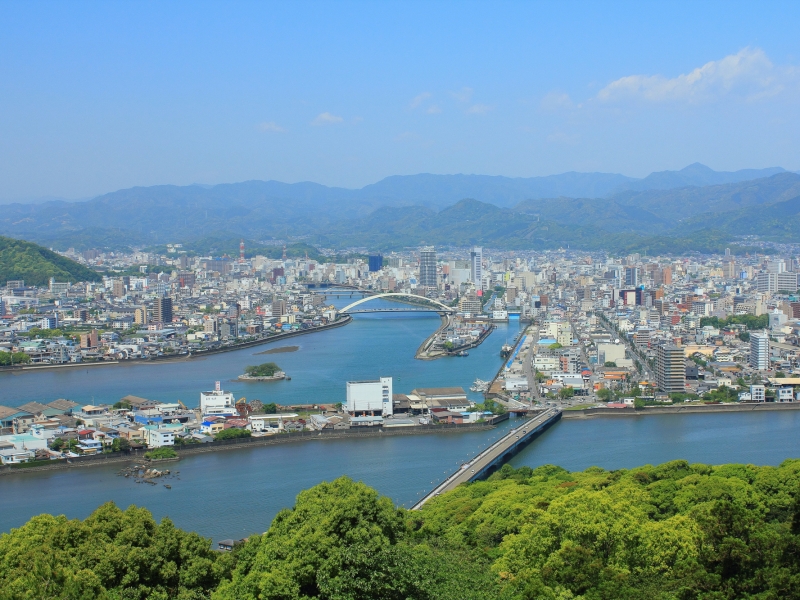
[591,210]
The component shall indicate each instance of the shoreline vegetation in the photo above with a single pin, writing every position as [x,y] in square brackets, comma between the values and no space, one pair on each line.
[263,372]
[664,532]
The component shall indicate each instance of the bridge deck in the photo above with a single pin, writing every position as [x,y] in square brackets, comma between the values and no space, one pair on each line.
[478,466]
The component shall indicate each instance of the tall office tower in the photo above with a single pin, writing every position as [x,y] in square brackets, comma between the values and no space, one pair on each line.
[427,267]
[476,266]
[631,276]
[759,351]
[670,369]
[162,310]
[375,262]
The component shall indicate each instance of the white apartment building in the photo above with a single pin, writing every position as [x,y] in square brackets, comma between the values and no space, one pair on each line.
[759,351]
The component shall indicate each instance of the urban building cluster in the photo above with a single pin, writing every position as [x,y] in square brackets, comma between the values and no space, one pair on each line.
[63,429]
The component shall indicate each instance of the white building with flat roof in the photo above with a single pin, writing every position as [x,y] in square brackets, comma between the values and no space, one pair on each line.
[370,397]
[217,402]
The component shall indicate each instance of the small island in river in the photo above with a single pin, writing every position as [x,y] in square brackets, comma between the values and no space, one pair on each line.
[263,372]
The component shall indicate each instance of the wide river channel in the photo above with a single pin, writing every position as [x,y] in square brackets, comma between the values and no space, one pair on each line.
[233,493]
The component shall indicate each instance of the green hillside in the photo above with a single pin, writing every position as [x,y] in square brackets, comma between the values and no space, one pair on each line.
[36,265]
[668,532]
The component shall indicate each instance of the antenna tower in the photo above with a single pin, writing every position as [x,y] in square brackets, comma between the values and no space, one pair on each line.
[241,251]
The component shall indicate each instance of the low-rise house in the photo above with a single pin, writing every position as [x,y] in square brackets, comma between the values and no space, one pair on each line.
[156,437]
[12,456]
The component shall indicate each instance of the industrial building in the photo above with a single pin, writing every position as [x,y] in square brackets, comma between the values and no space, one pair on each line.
[369,398]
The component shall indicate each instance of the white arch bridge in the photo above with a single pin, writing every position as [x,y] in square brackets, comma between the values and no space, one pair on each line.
[437,307]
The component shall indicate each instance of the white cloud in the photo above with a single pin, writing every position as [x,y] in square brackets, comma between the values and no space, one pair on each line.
[271,127]
[433,109]
[556,101]
[749,72]
[419,99]
[464,95]
[326,118]
[478,109]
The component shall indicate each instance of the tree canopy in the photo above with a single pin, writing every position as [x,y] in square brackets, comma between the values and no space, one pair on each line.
[263,370]
[666,532]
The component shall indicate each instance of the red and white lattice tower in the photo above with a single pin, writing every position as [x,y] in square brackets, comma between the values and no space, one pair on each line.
[241,251]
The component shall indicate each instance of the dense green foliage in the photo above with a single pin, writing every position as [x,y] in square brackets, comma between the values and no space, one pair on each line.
[675,531]
[749,321]
[112,554]
[36,265]
[263,370]
[232,434]
[162,452]
[13,358]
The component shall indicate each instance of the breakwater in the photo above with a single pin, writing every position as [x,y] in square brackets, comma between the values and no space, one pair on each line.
[707,409]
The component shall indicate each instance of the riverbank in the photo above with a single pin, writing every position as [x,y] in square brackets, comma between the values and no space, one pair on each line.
[588,413]
[255,442]
[341,321]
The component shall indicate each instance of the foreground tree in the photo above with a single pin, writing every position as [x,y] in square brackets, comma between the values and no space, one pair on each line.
[112,554]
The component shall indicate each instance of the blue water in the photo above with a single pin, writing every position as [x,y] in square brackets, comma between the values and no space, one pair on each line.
[234,493]
[371,346]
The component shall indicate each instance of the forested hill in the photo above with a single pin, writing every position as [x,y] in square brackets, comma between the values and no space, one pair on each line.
[579,210]
[36,265]
[669,532]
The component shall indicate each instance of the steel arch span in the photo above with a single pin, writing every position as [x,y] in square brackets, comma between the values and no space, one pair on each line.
[444,307]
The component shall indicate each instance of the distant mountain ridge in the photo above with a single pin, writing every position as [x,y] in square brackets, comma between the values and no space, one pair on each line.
[406,210]
[697,175]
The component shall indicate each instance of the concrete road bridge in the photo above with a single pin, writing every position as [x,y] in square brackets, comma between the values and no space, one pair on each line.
[437,306]
[491,459]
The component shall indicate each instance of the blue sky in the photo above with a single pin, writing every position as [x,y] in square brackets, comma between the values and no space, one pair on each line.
[100,96]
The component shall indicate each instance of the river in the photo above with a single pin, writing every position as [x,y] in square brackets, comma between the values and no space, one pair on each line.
[238,492]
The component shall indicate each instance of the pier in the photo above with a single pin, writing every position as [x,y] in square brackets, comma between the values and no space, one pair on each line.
[488,461]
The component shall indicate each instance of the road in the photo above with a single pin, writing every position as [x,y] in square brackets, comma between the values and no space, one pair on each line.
[475,468]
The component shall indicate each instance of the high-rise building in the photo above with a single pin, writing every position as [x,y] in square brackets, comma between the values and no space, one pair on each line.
[118,288]
[140,316]
[427,267]
[470,303]
[375,262]
[631,276]
[759,351]
[162,310]
[476,266]
[670,369]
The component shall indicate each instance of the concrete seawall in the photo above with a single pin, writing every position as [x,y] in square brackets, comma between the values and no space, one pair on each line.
[706,409]
[253,442]
[180,358]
